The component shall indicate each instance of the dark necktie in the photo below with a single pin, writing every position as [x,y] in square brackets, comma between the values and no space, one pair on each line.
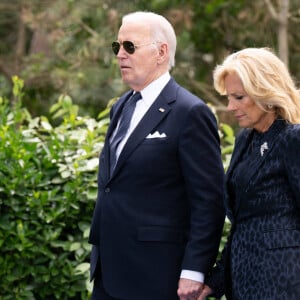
[125,119]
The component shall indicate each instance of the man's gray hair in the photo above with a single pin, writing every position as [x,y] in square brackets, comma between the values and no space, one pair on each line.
[161,28]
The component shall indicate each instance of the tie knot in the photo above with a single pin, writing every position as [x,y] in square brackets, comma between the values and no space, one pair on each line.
[135,97]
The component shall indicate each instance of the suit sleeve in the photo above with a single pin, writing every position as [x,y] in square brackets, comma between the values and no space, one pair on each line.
[203,172]
[216,278]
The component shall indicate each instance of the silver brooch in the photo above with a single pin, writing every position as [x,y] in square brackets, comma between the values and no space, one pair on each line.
[263,147]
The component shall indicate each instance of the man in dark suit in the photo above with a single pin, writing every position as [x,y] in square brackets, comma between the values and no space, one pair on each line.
[159,215]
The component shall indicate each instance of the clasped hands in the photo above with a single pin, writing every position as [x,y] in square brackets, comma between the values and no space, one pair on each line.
[192,290]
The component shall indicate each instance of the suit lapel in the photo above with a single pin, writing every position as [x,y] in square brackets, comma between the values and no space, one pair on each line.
[269,139]
[240,147]
[116,112]
[156,113]
[115,115]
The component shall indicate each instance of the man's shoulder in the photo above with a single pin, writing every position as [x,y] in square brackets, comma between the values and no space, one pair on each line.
[183,94]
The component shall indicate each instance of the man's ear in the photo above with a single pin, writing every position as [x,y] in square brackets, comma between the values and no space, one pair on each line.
[163,52]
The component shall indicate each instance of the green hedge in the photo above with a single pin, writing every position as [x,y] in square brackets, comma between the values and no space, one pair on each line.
[48,189]
[47,194]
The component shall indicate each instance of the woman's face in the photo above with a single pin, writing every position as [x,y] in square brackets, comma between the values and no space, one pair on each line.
[247,113]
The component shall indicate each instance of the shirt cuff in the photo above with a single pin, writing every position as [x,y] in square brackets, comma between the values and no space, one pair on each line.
[192,275]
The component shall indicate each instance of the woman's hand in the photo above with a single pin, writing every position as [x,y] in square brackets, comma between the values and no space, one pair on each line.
[205,292]
[189,289]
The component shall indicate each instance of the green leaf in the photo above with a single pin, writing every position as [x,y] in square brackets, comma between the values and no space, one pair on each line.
[82,268]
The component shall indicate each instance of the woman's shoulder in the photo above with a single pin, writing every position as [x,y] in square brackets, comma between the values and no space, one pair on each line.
[289,139]
[292,131]
[293,128]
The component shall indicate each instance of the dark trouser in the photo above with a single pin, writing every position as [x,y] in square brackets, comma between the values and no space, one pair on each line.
[99,292]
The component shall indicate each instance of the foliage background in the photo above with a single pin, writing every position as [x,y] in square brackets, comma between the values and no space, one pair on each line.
[47,194]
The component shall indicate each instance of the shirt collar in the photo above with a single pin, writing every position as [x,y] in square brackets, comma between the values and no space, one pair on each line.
[151,91]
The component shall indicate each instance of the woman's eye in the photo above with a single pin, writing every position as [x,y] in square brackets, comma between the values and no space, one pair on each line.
[235,97]
[239,97]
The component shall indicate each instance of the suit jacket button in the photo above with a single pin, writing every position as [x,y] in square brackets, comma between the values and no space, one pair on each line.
[107,190]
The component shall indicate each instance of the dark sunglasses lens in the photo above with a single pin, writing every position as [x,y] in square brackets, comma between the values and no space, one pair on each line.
[115,47]
[129,47]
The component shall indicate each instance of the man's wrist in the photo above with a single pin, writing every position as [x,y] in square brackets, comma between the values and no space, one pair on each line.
[192,275]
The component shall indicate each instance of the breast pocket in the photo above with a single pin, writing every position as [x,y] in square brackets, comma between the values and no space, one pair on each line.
[155,141]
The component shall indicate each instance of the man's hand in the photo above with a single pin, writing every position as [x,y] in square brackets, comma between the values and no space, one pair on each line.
[189,289]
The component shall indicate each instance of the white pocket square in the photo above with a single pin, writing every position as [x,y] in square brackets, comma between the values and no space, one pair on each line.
[156,135]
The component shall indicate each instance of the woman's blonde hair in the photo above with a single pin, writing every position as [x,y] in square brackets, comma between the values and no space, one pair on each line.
[265,79]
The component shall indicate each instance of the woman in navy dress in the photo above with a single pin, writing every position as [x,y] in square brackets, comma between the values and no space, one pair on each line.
[261,259]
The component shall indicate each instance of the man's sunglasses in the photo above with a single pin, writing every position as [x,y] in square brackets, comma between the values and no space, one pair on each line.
[128,46]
